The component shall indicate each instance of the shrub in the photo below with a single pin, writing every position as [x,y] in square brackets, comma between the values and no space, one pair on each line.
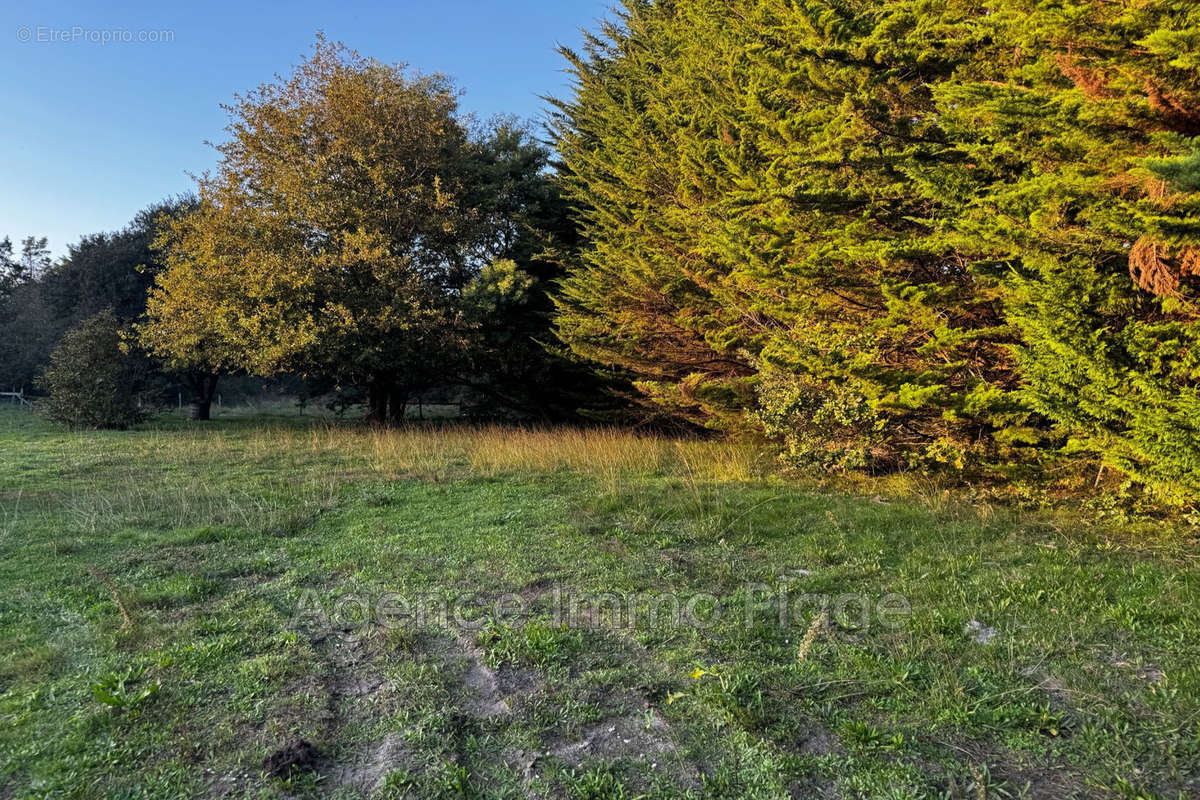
[818,427]
[93,380]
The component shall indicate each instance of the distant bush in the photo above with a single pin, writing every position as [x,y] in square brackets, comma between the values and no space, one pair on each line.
[93,380]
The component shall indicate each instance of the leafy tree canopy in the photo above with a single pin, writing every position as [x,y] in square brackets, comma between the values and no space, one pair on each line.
[350,214]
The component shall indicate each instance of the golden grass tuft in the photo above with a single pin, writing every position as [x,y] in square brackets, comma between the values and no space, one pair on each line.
[607,453]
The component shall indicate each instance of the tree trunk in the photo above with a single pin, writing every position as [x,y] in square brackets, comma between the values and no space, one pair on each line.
[398,404]
[203,386]
[198,410]
[376,402]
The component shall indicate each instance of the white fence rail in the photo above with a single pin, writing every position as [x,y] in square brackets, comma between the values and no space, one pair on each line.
[17,396]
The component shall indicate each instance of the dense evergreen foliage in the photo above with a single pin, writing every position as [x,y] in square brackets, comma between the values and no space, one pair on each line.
[1078,124]
[747,186]
[896,233]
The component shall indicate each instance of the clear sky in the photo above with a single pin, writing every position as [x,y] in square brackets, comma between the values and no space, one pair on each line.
[93,131]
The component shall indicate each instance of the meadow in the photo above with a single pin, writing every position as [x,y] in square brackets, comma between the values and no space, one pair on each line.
[270,606]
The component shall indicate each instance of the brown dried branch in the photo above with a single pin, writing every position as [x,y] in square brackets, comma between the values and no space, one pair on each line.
[1092,83]
[1156,269]
[1182,117]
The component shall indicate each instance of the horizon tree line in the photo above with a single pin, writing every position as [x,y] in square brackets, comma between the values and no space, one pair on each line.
[885,236]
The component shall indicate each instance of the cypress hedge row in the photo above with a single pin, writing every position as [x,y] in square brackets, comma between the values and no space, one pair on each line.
[898,233]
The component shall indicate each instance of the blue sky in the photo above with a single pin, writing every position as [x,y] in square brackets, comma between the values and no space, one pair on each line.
[92,132]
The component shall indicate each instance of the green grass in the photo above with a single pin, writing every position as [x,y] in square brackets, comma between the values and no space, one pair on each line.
[247,552]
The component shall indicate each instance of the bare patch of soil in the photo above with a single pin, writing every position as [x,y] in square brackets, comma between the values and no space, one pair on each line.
[372,765]
[356,692]
[620,737]
[632,737]
[291,759]
[477,688]
[820,742]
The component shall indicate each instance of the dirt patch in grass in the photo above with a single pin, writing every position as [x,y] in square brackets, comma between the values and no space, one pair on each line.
[535,589]
[819,742]
[630,739]
[482,697]
[293,758]
[1031,781]
[814,788]
[630,736]
[356,695]
[479,690]
[1016,773]
[372,764]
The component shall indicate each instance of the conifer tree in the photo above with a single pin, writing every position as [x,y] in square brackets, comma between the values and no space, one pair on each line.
[1081,162]
[746,173]
[639,298]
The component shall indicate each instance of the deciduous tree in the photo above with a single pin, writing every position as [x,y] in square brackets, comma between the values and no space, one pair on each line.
[330,235]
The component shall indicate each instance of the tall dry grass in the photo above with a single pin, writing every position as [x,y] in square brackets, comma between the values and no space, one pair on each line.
[261,475]
[307,452]
[607,453]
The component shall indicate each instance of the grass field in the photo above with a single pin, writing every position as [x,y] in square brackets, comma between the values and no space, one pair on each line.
[503,613]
